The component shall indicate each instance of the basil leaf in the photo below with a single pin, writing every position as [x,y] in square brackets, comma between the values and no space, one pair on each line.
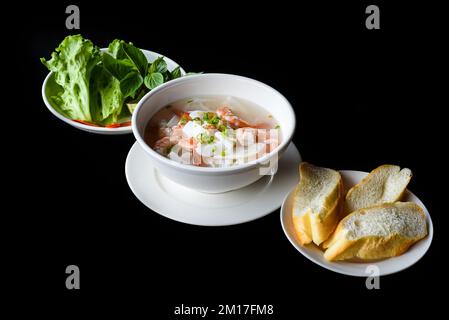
[137,57]
[118,68]
[159,65]
[130,84]
[153,80]
[167,76]
[176,73]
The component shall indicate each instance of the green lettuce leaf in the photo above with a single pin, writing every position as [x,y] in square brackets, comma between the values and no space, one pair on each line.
[101,87]
[115,48]
[106,97]
[72,64]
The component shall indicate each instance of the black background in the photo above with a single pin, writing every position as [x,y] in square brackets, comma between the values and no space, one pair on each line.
[362,98]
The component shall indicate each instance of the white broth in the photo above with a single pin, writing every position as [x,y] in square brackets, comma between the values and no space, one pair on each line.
[213,131]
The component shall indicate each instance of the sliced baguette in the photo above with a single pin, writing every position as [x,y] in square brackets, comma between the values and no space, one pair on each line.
[378,232]
[384,184]
[316,203]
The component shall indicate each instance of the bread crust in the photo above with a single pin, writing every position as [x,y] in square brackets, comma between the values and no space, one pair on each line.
[339,247]
[350,199]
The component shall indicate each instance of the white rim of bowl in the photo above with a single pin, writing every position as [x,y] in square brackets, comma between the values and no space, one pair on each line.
[88,127]
[236,168]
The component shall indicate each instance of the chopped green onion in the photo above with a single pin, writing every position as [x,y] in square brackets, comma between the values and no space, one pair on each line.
[211,118]
[204,138]
[215,120]
[223,153]
[277,126]
[224,133]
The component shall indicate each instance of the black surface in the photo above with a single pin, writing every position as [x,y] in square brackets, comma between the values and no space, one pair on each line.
[362,98]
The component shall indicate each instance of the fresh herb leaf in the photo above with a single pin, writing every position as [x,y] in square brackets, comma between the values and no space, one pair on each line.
[277,126]
[153,80]
[176,73]
[137,57]
[167,76]
[118,68]
[158,66]
[120,50]
[130,84]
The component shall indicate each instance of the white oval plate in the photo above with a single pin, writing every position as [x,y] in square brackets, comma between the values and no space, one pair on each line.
[183,204]
[385,266]
[151,56]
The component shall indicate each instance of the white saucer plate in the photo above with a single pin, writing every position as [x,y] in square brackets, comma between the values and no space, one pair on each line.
[385,266]
[183,204]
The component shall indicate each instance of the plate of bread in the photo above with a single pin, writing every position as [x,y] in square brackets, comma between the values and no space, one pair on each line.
[346,221]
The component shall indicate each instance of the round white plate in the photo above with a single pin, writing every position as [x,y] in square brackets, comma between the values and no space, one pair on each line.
[385,266]
[151,56]
[186,205]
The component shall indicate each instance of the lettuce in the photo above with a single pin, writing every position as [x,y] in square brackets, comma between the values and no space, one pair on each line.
[73,62]
[93,86]
[106,97]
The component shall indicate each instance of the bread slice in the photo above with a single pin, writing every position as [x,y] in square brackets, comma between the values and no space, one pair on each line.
[377,232]
[384,184]
[316,203]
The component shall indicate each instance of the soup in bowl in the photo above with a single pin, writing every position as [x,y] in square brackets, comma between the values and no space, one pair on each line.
[214,132]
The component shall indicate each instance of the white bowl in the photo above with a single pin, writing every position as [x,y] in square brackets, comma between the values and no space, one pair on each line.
[206,179]
[151,56]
